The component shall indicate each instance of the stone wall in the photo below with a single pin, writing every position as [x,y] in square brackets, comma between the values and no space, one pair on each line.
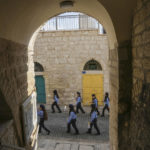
[63,55]
[114,86]
[16,80]
[8,134]
[140,112]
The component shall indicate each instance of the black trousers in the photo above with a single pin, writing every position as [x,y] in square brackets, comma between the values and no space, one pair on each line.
[105,107]
[97,111]
[79,106]
[94,122]
[73,123]
[41,123]
[55,104]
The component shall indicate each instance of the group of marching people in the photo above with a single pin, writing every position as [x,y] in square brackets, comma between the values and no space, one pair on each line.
[72,113]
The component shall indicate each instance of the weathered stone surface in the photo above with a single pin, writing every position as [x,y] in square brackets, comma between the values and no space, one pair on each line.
[16,80]
[63,146]
[85,147]
[139,131]
[8,134]
[46,144]
[63,55]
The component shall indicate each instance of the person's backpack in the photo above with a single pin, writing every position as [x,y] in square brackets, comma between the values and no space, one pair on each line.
[45,116]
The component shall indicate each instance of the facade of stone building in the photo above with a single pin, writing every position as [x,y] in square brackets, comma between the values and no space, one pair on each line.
[63,56]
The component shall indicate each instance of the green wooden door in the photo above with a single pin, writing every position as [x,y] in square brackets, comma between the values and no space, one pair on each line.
[40,89]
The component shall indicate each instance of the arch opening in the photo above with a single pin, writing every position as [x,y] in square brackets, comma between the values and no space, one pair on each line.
[92,65]
[38,67]
[64,64]
[93,8]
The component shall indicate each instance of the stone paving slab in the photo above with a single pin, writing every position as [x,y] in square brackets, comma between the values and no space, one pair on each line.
[85,147]
[62,146]
[53,144]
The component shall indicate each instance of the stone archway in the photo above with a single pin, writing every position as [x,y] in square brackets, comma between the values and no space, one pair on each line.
[23,18]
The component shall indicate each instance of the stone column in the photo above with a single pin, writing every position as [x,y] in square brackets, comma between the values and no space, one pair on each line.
[120,94]
[125,93]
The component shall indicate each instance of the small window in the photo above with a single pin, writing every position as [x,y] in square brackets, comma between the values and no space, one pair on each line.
[92,65]
[38,67]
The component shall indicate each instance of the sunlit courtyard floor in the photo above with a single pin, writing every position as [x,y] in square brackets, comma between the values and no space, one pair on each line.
[59,139]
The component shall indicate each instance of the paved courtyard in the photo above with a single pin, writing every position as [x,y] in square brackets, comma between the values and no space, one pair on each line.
[60,140]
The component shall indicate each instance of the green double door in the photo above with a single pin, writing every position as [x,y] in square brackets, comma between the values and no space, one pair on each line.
[40,89]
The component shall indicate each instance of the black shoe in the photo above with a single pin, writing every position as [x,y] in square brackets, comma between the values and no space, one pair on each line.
[77,133]
[97,134]
[60,111]
[48,132]
[67,131]
[53,111]
[88,132]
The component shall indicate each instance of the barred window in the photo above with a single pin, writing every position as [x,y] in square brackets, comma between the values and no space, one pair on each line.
[92,65]
[38,67]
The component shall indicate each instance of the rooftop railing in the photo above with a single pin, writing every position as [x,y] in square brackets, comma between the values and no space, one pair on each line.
[73,22]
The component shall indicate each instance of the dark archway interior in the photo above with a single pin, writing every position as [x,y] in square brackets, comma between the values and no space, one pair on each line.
[5,112]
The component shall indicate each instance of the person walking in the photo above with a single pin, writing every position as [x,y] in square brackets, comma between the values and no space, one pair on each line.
[55,103]
[43,116]
[95,102]
[78,103]
[72,120]
[93,120]
[106,104]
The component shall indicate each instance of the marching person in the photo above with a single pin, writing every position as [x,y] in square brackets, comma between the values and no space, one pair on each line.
[106,104]
[55,103]
[78,103]
[95,101]
[72,120]
[43,116]
[93,120]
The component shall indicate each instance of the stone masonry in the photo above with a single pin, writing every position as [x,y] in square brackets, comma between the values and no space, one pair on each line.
[63,55]
[140,112]
[16,82]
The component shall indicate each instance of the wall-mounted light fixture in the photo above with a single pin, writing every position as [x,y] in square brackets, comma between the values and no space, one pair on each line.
[66,4]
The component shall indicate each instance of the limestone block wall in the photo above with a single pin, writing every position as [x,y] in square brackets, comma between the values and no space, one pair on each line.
[140,114]
[8,134]
[16,80]
[63,55]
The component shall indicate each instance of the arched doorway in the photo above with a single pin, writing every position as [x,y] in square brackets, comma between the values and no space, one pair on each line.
[92,82]
[39,83]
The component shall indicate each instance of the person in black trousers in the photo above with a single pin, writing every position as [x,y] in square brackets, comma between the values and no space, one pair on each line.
[78,103]
[93,120]
[95,102]
[43,116]
[106,104]
[72,120]
[55,103]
